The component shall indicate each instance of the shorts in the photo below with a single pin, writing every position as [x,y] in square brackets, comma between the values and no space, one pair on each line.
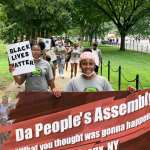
[74,60]
[61,61]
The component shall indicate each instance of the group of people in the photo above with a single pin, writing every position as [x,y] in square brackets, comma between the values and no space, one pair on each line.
[43,78]
[61,53]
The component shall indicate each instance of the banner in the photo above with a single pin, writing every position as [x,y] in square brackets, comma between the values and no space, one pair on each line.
[20,56]
[80,121]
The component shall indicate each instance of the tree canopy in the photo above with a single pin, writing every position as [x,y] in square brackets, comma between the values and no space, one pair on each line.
[92,17]
[123,13]
[39,17]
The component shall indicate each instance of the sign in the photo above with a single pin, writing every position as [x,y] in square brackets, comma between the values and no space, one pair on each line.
[20,56]
[46,41]
[51,54]
[108,122]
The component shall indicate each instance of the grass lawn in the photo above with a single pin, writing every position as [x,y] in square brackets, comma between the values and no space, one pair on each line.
[5,76]
[132,63]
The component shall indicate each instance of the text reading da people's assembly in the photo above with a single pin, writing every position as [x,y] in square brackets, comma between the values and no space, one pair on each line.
[99,114]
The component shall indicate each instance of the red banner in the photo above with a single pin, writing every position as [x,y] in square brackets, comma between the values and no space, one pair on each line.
[106,122]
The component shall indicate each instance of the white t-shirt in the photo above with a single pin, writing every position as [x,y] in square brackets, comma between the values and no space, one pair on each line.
[97,54]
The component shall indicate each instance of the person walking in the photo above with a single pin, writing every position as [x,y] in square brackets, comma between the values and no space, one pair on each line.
[88,80]
[39,80]
[74,60]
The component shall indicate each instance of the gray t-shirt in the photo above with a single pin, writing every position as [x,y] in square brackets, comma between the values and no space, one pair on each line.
[80,84]
[38,79]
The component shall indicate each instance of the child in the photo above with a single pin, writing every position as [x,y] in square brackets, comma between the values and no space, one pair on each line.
[4,108]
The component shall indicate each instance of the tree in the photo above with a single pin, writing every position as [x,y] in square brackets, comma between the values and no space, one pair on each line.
[39,17]
[90,21]
[142,28]
[123,13]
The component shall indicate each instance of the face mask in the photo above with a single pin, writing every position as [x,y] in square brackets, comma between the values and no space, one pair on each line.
[88,75]
[37,59]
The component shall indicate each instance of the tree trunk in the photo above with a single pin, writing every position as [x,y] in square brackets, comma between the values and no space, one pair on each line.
[122,44]
[91,38]
[86,38]
[96,37]
[47,34]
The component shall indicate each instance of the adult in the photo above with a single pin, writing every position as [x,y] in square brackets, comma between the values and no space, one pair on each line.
[74,60]
[42,47]
[60,52]
[40,79]
[68,55]
[88,80]
[51,56]
[98,56]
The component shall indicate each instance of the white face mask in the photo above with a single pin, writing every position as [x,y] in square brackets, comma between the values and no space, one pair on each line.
[89,75]
[37,59]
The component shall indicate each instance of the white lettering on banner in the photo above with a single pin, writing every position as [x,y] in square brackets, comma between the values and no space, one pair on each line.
[35,147]
[22,134]
[113,130]
[87,118]
[69,140]
[92,135]
[58,126]
[46,146]
[115,111]
[54,127]
[84,118]
[113,145]
[137,122]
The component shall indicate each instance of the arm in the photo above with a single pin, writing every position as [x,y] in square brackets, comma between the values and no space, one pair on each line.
[18,78]
[51,84]
[70,50]
[54,90]
[50,81]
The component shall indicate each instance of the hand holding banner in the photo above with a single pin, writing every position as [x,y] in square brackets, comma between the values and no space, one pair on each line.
[103,120]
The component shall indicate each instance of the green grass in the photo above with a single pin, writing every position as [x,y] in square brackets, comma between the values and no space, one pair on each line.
[5,76]
[132,63]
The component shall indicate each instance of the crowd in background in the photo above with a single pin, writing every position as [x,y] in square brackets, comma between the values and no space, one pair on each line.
[55,59]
